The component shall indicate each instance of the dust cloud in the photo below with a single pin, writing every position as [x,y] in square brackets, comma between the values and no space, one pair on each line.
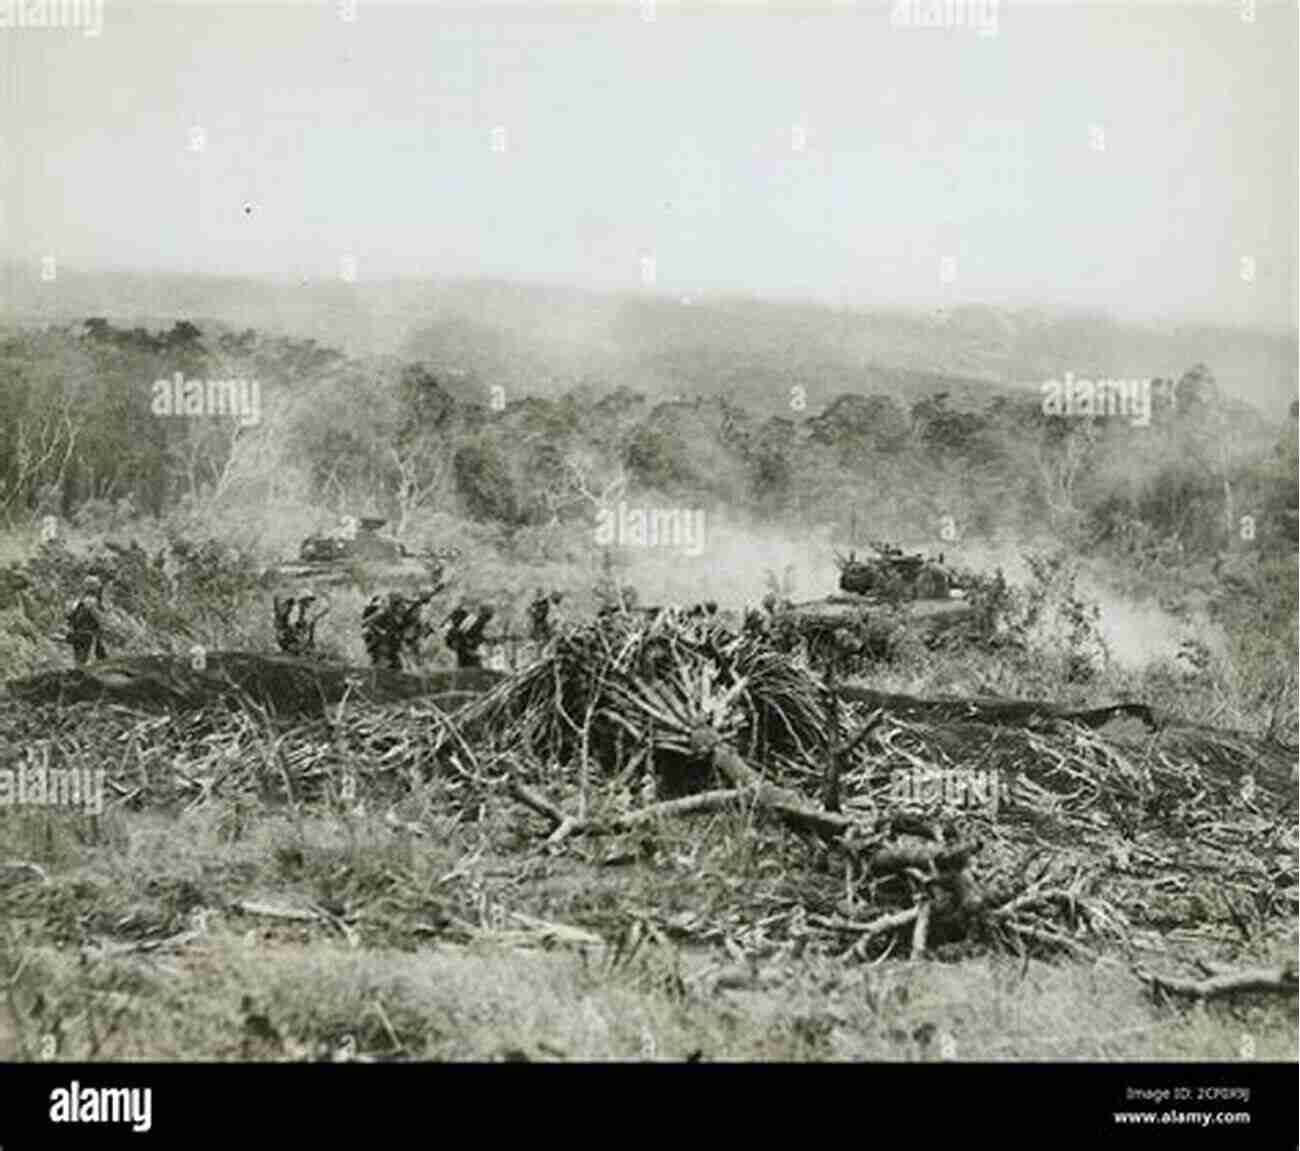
[739,559]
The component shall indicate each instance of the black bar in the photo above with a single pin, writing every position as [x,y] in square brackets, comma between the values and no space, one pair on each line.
[332,1105]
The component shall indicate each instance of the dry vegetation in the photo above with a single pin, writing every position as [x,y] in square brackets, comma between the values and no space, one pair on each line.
[624,853]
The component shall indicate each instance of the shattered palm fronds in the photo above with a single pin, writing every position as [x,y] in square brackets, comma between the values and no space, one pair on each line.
[948,807]
[958,825]
[624,685]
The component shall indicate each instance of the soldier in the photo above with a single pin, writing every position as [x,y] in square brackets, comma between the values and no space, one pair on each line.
[456,618]
[411,628]
[85,632]
[782,630]
[465,641]
[711,635]
[296,635]
[381,629]
[539,614]
[281,609]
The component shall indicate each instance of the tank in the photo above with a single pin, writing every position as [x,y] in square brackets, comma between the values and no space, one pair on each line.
[895,576]
[356,554]
[886,587]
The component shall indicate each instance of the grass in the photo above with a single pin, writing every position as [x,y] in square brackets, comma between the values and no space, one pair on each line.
[422,956]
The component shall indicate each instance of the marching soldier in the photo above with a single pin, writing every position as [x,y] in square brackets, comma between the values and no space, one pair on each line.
[85,632]
[780,627]
[539,614]
[466,640]
[281,608]
[382,623]
[411,628]
[456,618]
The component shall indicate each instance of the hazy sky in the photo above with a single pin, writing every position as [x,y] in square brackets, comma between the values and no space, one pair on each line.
[1126,157]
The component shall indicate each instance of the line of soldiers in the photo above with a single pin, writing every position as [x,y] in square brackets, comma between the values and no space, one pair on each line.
[700,613]
[392,625]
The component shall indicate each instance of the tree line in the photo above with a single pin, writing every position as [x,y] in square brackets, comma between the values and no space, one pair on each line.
[1205,476]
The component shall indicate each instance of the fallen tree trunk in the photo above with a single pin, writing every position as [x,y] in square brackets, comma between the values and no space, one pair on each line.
[283,685]
[786,804]
[894,859]
[935,859]
[1281,981]
[1013,712]
[570,825]
[842,829]
[747,783]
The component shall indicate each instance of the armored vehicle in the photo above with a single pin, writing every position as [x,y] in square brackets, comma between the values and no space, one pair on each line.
[355,553]
[887,588]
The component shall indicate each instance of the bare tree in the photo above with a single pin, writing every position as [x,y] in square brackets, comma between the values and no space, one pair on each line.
[1060,468]
[423,468]
[600,493]
[42,449]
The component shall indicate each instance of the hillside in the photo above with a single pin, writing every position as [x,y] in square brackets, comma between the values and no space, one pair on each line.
[543,340]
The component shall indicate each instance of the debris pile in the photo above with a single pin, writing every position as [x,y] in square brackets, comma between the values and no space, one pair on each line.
[897,825]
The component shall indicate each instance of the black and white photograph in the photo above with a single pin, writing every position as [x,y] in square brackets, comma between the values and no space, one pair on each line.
[649,532]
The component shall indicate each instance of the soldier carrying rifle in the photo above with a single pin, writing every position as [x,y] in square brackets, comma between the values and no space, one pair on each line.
[465,640]
[411,628]
[391,625]
[381,629]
